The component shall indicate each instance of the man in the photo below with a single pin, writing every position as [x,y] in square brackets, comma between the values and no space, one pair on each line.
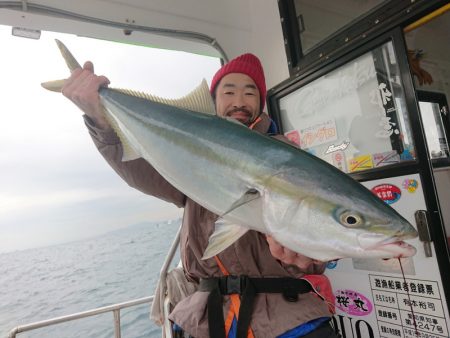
[239,92]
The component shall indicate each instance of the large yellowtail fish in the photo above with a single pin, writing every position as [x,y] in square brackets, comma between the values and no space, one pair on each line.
[252,181]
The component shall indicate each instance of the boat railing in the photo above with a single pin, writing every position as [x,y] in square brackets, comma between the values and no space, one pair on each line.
[114,308]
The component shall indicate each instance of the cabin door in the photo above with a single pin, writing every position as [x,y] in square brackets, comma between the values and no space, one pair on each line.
[364,114]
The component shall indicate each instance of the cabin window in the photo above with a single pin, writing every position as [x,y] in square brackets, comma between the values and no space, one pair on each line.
[355,116]
[428,51]
[433,110]
[318,20]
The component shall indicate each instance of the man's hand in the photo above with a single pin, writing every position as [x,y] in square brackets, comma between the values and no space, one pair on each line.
[287,256]
[82,89]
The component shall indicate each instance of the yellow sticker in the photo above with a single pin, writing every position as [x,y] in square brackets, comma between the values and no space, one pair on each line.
[359,163]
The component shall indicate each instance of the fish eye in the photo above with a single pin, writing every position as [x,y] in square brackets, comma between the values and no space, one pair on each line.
[350,219]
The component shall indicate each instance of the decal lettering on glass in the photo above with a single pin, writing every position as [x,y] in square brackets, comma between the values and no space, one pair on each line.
[318,134]
[332,148]
[382,97]
[330,89]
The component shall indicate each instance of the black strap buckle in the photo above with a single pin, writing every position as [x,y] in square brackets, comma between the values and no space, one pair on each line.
[290,294]
[235,284]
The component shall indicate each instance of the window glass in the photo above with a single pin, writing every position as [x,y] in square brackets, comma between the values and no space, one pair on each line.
[312,14]
[434,130]
[428,51]
[353,117]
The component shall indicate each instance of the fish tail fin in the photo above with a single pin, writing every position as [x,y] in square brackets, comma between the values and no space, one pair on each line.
[72,64]
[53,86]
[199,99]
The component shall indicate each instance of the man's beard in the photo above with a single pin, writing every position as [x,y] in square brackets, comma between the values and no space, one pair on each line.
[248,113]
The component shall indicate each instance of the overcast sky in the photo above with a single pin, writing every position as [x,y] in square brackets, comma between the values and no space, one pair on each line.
[54,185]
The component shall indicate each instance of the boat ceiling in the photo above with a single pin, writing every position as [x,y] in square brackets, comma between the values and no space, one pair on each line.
[221,28]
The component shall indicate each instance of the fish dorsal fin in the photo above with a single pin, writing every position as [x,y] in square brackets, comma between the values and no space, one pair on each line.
[224,235]
[198,100]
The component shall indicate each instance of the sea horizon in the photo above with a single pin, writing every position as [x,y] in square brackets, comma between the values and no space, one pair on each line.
[56,280]
[88,237]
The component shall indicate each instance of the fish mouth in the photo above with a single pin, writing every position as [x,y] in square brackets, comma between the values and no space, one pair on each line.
[399,249]
[386,247]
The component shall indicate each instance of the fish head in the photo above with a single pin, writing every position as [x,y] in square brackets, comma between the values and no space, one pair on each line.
[377,229]
[328,225]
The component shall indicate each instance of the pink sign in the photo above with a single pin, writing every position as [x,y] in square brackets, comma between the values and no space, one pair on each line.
[353,303]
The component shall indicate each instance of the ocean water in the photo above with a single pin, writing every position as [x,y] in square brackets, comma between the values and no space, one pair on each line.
[43,283]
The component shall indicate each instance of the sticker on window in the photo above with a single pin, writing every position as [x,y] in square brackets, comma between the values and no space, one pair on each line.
[353,303]
[389,193]
[410,184]
[293,136]
[359,163]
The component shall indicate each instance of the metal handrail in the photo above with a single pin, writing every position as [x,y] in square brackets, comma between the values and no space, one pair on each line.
[115,308]
[162,282]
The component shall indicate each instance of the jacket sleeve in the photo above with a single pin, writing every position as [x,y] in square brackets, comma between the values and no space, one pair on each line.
[138,174]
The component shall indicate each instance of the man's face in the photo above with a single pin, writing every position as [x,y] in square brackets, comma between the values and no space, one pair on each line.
[238,97]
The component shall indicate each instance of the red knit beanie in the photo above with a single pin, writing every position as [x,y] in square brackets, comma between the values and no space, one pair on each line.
[247,64]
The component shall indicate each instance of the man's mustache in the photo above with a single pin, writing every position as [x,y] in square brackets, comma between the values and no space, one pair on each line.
[235,110]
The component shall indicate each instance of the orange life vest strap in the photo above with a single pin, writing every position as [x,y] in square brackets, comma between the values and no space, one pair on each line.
[235,304]
[254,123]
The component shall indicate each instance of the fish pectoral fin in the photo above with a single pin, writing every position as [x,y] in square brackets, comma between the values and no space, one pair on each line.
[54,86]
[248,196]
[227,233]
[224,235]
